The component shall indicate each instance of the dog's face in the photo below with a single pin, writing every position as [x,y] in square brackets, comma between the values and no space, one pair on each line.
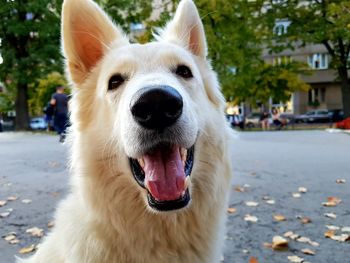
[146,100]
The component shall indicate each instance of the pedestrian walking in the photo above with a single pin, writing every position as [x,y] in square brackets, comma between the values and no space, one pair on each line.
[264,120]
[59,101]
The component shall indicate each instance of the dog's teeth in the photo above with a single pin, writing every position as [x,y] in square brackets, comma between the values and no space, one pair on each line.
[187,182]
[183,153]
[141,162]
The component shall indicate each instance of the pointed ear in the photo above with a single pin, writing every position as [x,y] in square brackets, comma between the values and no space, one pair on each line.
[87,33]
[186,29]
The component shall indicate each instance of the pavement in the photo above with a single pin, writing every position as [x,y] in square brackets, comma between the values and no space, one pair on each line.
[267,166]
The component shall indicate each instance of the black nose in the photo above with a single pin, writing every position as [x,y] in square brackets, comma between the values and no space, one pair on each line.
[156,107]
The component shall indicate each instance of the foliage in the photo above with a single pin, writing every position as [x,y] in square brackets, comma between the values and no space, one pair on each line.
[325,22]
[40,94]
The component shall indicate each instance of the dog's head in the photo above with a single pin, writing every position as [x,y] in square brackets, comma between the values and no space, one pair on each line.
[151,102]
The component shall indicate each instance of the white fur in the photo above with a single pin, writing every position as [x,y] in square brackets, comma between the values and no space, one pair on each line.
[106,217]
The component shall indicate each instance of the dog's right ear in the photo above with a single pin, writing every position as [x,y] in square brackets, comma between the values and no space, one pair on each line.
[87,33]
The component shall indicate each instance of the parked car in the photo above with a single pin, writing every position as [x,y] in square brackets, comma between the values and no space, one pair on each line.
[253,120]
[38,123]
[336,115]
[314,116]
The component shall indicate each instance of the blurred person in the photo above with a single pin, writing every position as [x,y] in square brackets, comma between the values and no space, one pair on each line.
[264,120]
[59,101]
[277,120]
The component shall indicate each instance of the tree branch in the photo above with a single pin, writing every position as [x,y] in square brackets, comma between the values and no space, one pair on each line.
[329,48]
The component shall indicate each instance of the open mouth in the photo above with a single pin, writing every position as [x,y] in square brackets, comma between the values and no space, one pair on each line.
[165,173]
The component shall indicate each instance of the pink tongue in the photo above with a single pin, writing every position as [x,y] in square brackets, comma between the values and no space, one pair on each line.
[164,174]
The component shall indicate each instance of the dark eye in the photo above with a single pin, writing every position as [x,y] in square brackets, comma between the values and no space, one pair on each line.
[115,81]
[183,71]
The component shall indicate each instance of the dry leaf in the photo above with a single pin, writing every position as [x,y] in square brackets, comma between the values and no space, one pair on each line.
[267,245]
[240,189]
[26,201]
[279,243]
[295,259]
[294,236]
[4,214]
[296,195]
[245,251]
[10,237]
[329,233]
[279,218]
[314,244]
[231,210]
[2,203]
[52,223]
[345,229]
[26,250]
[341,238]
[253,260]
[304,240]
[340,181]
[330,215]
[250,218]
[288,234]
[35,231]
[14,241]
[305,220]
[331,227]
[302,190]
[332,201]
[251,203]
[12,198]
[308,251]
[270,202]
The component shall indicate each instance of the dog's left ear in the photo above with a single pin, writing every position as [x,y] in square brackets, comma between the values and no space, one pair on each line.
[186,29]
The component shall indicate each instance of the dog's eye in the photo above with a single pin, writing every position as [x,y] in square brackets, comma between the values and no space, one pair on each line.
[183,71]
[115,81]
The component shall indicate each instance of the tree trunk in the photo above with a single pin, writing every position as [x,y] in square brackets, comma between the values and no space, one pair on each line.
[345,90]
[22,112]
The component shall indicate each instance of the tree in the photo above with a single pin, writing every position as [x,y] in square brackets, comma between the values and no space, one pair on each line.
[29,32]
[325,22]
[41,93]
[237,32]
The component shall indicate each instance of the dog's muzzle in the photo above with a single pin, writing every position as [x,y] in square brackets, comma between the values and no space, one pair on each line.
[165,168]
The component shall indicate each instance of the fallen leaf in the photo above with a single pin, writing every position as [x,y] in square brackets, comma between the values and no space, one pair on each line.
[331,227]
[26,250]
[279,243]
[340,181]
[308,251]
[12,198]
[2,203]
[314,244]
[35,231]
[279,218]
[250,218]
[253,260]
[304,240]
[52,223]
[296,195]
[288,234]
[330,215]
[240,189]
[270,202]
[267,245]
[332,201]
[305,220]
[26,201]
[329,233]
[251,203]
[295,259]
[4,214]
[294,236]
[245,251]
[302,190]
[14,241]
[341,238]
[345,229]
[10,236]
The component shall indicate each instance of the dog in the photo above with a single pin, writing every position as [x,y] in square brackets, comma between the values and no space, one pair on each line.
[150,145]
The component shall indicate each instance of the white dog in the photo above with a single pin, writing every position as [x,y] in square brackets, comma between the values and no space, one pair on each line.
[150,156]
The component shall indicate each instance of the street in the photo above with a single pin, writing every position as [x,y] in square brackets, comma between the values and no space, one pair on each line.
[288,173]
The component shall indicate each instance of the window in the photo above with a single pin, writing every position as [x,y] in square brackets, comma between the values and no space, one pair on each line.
[318,61]
[281,27]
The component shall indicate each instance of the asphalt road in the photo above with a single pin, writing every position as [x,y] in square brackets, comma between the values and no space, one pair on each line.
[266,164]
